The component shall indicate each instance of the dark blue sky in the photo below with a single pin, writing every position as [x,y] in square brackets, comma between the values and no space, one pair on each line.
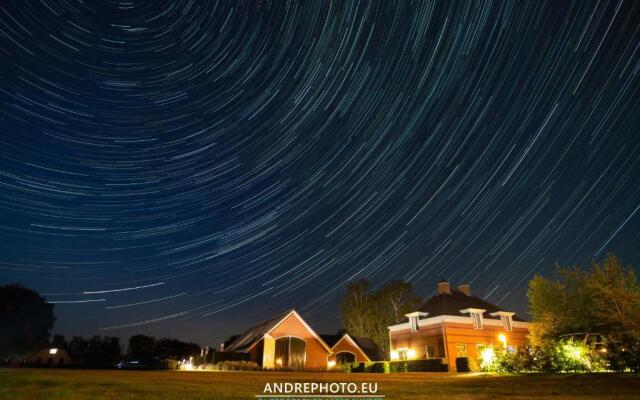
[188,168]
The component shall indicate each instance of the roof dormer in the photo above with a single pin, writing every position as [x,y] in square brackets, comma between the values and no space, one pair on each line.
[414,317]
[476,316]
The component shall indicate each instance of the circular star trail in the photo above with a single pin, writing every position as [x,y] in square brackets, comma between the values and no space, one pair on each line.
[187,168]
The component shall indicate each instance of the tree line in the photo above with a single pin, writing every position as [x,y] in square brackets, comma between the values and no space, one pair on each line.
[26,320]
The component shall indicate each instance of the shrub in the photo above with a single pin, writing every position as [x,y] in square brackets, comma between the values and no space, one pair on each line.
[624,355]
[236,366]
[429,365]
[376,367]
[557,356]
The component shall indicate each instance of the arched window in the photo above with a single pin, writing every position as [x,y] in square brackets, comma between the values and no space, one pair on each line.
[291,352]
[345,357]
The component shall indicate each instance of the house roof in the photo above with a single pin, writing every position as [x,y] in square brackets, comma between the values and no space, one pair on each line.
[254,334]
[452,303]
[366,345]
[369,348]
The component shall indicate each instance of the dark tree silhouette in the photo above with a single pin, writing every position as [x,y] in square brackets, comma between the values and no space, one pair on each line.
[142,348]
[26,320]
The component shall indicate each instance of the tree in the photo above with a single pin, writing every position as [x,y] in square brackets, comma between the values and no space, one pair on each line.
[176,349]
[603,299]
[26,320]
[357,309]
[142,348]
[616,294]
[97,352]
[368,314]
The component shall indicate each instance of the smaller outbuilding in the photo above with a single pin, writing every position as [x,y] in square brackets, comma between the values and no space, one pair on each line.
[346,349]
[49,357]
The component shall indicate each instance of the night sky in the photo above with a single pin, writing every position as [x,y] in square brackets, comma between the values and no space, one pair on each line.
[189,168]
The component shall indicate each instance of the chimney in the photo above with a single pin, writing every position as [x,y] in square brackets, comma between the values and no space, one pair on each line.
[466,289]
[444,288]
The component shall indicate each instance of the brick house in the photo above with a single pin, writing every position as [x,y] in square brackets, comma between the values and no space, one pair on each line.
[455,324]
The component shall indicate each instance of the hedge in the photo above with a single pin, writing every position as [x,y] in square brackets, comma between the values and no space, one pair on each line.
[429,365]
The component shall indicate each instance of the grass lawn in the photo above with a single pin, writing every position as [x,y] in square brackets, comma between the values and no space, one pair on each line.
[36,384]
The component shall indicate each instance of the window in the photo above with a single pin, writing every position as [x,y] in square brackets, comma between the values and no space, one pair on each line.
[431,351]
[345,357]
[461,350]
[476,318]
[506,322]
[414,324]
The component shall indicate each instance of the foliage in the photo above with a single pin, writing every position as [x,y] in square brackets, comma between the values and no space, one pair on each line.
[175,349]
[367,313]
[97,352]
[26,320]
[142,348]
[237,366]
[560,356]
[377,367]
[624,354]
[604,299]
[428,365]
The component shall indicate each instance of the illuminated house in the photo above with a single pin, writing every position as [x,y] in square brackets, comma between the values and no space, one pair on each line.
[346,349]
[49,357]
[285,341]
[456,324]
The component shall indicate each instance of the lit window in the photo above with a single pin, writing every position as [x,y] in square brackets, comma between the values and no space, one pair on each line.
[431,351]
[476,317]
[461,350]
[53,351]
[506,322]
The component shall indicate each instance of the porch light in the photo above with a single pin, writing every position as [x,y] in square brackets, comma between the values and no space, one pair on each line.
[411,354]
[332,364]
[279,361]
[394,355]
[503,339]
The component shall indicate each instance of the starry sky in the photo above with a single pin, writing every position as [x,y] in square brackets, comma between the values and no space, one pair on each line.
[188,168]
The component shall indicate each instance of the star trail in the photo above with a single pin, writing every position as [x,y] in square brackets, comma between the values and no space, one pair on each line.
[188,168]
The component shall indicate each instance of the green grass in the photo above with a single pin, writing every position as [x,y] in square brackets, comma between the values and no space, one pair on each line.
[36,384]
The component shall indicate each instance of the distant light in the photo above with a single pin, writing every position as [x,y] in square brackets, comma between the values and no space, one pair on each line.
[411,354]
[279,361]
[394,355]
[332,364]
[53,351]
